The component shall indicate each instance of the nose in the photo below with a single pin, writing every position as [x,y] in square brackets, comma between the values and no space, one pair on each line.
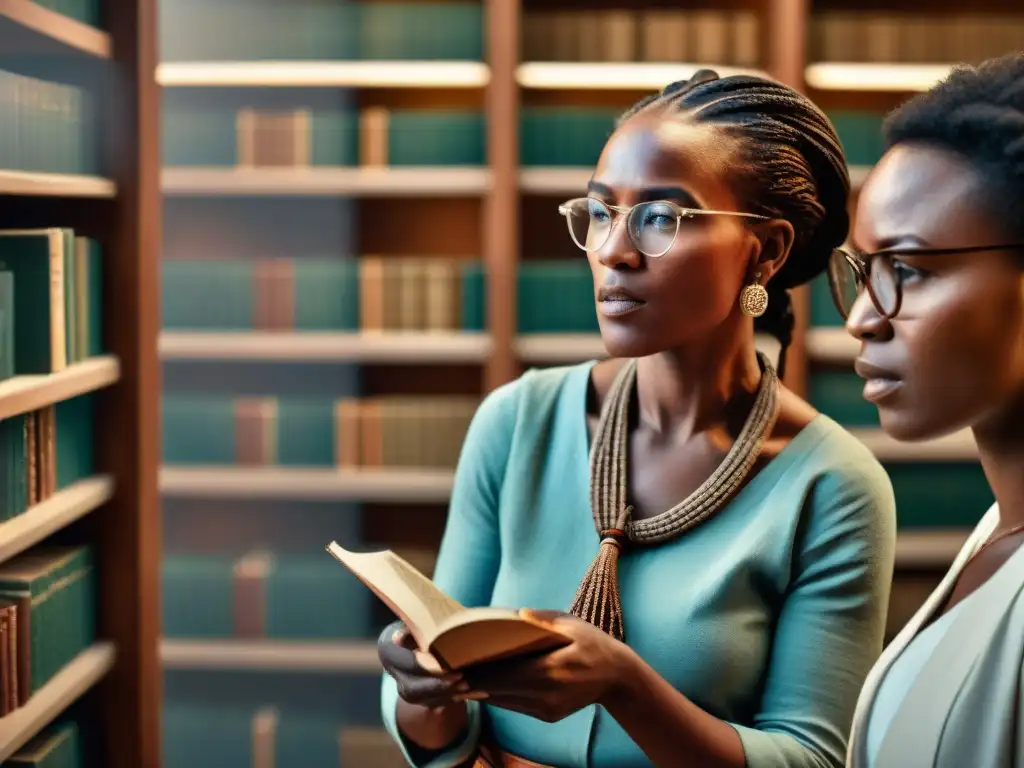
[619,251]
[865,323]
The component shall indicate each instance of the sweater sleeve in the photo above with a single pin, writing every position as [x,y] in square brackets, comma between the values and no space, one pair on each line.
[831,626]
[470,551]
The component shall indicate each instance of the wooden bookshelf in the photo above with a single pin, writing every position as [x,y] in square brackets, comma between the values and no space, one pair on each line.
[30,393]
[394,486]
[335,182]
[502,212]
[55,185]
[57,512]
[29,28]
[72,682]
[116,509]
[313,346]
[604,76]
[321,74]
[350,657]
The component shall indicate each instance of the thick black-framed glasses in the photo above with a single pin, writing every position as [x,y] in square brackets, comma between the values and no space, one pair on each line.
[652,226]
[849,274]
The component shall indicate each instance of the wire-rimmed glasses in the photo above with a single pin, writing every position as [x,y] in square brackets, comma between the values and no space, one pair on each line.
[652,226]
[880,273]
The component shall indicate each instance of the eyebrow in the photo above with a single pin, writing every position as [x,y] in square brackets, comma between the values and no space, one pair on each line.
[675,194]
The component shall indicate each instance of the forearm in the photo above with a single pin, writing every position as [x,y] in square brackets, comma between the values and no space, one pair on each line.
[668,727]
[431,729]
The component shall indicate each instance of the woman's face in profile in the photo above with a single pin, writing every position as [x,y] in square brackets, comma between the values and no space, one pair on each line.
[953,356]
[647,305]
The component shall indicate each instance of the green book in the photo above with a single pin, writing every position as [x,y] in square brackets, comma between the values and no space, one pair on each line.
[55,588]
[6,325]
[36,259]
[70,298]
[93,314]
[13,467]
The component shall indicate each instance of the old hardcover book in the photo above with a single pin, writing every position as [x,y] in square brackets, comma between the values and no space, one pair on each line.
[445,631]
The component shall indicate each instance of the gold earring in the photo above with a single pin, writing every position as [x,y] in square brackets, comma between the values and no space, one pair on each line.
[754,298]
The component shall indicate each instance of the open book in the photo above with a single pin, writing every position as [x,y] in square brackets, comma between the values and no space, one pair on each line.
[455,636]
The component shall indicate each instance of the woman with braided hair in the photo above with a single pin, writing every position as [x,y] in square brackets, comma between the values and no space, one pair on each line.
[718,553]
[939,247]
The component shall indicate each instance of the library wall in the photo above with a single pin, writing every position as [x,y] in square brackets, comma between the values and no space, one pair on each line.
[77,487]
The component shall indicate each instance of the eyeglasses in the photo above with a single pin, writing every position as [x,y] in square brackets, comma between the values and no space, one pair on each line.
[849,274]
[652,226]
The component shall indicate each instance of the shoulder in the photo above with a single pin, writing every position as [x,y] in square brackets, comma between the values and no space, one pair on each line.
[837,461]
[536,391]
[848,495]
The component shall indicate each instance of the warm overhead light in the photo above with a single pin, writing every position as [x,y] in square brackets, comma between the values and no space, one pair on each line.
[380,74]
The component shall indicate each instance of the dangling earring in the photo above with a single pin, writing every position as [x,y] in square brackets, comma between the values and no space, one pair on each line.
[754,298]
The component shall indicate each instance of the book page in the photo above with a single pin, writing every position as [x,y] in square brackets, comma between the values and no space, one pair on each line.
[410,594]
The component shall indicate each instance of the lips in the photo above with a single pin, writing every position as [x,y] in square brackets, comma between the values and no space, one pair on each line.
[615,300]
[880,383]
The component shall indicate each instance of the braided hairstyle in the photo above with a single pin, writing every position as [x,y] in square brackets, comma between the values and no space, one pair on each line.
[793,168]
[977,113]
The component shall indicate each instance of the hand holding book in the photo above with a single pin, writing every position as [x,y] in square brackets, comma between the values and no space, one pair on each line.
[541,663]
[443,630]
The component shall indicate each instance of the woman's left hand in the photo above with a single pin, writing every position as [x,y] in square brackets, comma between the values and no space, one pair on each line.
[559,683]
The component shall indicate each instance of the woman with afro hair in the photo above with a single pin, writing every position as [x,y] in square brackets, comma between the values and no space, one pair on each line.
[933,287]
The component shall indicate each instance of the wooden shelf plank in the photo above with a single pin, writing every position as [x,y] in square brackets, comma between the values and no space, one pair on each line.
[88,668]
[270,655]
[890,78]
[831,345]
[566,180]
[929,548]
[58,511]
[395,486]
[396,347]
[609,76]
[960,446]
[319,74]
[28,184]
[23,394]
[565,348]
[324,181]
[29,28]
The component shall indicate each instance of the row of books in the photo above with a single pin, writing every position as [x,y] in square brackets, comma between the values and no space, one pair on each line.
[58,745]
[348,433]
[925,37]
[45,127]
[318,30]
[369,294]
[50,300]
[43,452]
[392,293]
[47,617]
[200,735]
[203,134]
[317,294]
[710,36]
[303,136]
[262,595]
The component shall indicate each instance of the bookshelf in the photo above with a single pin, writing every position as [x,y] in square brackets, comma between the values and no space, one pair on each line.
[95,490]
[547,102]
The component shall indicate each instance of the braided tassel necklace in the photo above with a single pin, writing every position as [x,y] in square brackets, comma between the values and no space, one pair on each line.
[597,599]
